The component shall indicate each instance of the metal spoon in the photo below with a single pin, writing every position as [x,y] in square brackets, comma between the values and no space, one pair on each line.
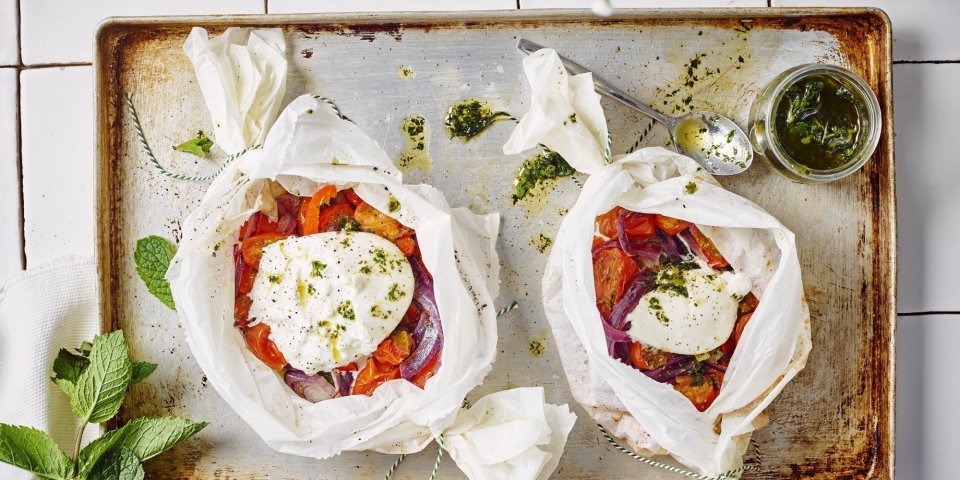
[712,140]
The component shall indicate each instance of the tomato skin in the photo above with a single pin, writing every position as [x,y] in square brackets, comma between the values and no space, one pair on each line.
[331,218]
[374,221]
[244,274]
[670,225]
[613,270]
[708,249]
[639,226]
[309,214]
[748,304]
[647,358]
[350,367]
[241,311]
[255,225]
[258,341]
[596,242]
[352,197]
[702,395]
[607,223]
[420,379]
[252,248]
[395,348]
[373,375]
[408,246]
[741,324]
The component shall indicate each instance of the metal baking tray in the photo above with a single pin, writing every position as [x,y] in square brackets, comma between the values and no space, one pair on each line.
[835,420]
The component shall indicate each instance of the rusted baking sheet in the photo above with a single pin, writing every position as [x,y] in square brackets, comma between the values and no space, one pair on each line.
[834,421]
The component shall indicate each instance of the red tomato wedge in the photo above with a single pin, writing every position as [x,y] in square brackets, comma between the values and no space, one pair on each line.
[420,379]
[639,226]
[258,341]
[741,324]
[408,246]
[613,270]
[701,392]
[309,214]
[373,375]
[395,348]
[252,248]
[374,221]
[707,249]
[647,358]
[670,225]
[352,197]
[607,223]
[241,311]
[332,218]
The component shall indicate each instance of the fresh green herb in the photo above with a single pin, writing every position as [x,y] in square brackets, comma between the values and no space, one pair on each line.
[467,118]
[657,310]
[690,188]
[345,310]
[349,225]
[395,293]
[311,289]
[275,278]
[414,154]
[537,170]
[672,278]
[366,270]
[199,145]
[393,204]
[96,379]
[317,268]
[152,256]
[817,122]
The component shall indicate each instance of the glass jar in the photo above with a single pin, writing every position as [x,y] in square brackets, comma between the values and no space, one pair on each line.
[764,135]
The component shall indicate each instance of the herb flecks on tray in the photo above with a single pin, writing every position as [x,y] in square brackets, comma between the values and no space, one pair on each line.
[817,122]
[415,154]
[537,170]
[199,145]
[152,256]
[95,377]
[468,118]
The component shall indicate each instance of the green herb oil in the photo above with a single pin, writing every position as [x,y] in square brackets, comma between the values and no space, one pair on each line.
[818,122]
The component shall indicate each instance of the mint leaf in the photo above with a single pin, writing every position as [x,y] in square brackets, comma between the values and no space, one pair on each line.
[99,390]
[199,146]
[35,452]
[68,366]
[121,464]
[153,256]
[141,370]
[146,437]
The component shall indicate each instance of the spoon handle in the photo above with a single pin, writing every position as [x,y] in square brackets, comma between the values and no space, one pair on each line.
[602,86]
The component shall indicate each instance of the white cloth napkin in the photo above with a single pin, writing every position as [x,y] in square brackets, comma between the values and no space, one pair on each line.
[41,311]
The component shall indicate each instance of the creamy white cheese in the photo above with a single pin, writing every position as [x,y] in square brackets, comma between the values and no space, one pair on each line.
[693,309]
[331,298]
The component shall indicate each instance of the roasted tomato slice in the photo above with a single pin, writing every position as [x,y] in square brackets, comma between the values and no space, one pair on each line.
[241,311]
[374,374]
[408,246]
[244,274]
[613,270]
[395,348]
[255,225]
[309,214]
[333,218]
[374,221]
[352,197]
[647,358]
[607,223]
[258,341]
[420,379]
[252,248]
[670,225]
[748,304]
[706,248]
[741,324]
[639,226]
[700,390]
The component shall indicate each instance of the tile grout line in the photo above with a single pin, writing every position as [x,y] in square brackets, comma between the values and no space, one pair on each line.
[21,212]
[931,312]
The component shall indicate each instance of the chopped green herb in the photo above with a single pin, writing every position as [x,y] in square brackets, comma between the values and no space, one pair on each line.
[345,310]
[395,293]
[318,268]
[393,204]
[275,278]
[537,170]
[467,118]
[690,188]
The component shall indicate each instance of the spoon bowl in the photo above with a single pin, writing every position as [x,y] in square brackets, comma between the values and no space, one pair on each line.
[712,140]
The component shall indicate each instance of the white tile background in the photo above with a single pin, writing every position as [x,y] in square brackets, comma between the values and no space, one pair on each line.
[54,104]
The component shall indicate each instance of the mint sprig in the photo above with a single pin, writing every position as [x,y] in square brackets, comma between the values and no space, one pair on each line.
[95,379]
[199,145]
[152,256]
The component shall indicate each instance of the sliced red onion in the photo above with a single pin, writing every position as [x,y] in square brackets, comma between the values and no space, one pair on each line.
[673,248]
[679,365]
[343,381]
[313,388]
[287,224]
[428,334]
[287,204]
[621,351]
[604,246]
[252,225]
[716,366]
[642,284]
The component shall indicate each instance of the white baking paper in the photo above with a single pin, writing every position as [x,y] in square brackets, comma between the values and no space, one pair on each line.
[650,416]
[243,76]
[308,146]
